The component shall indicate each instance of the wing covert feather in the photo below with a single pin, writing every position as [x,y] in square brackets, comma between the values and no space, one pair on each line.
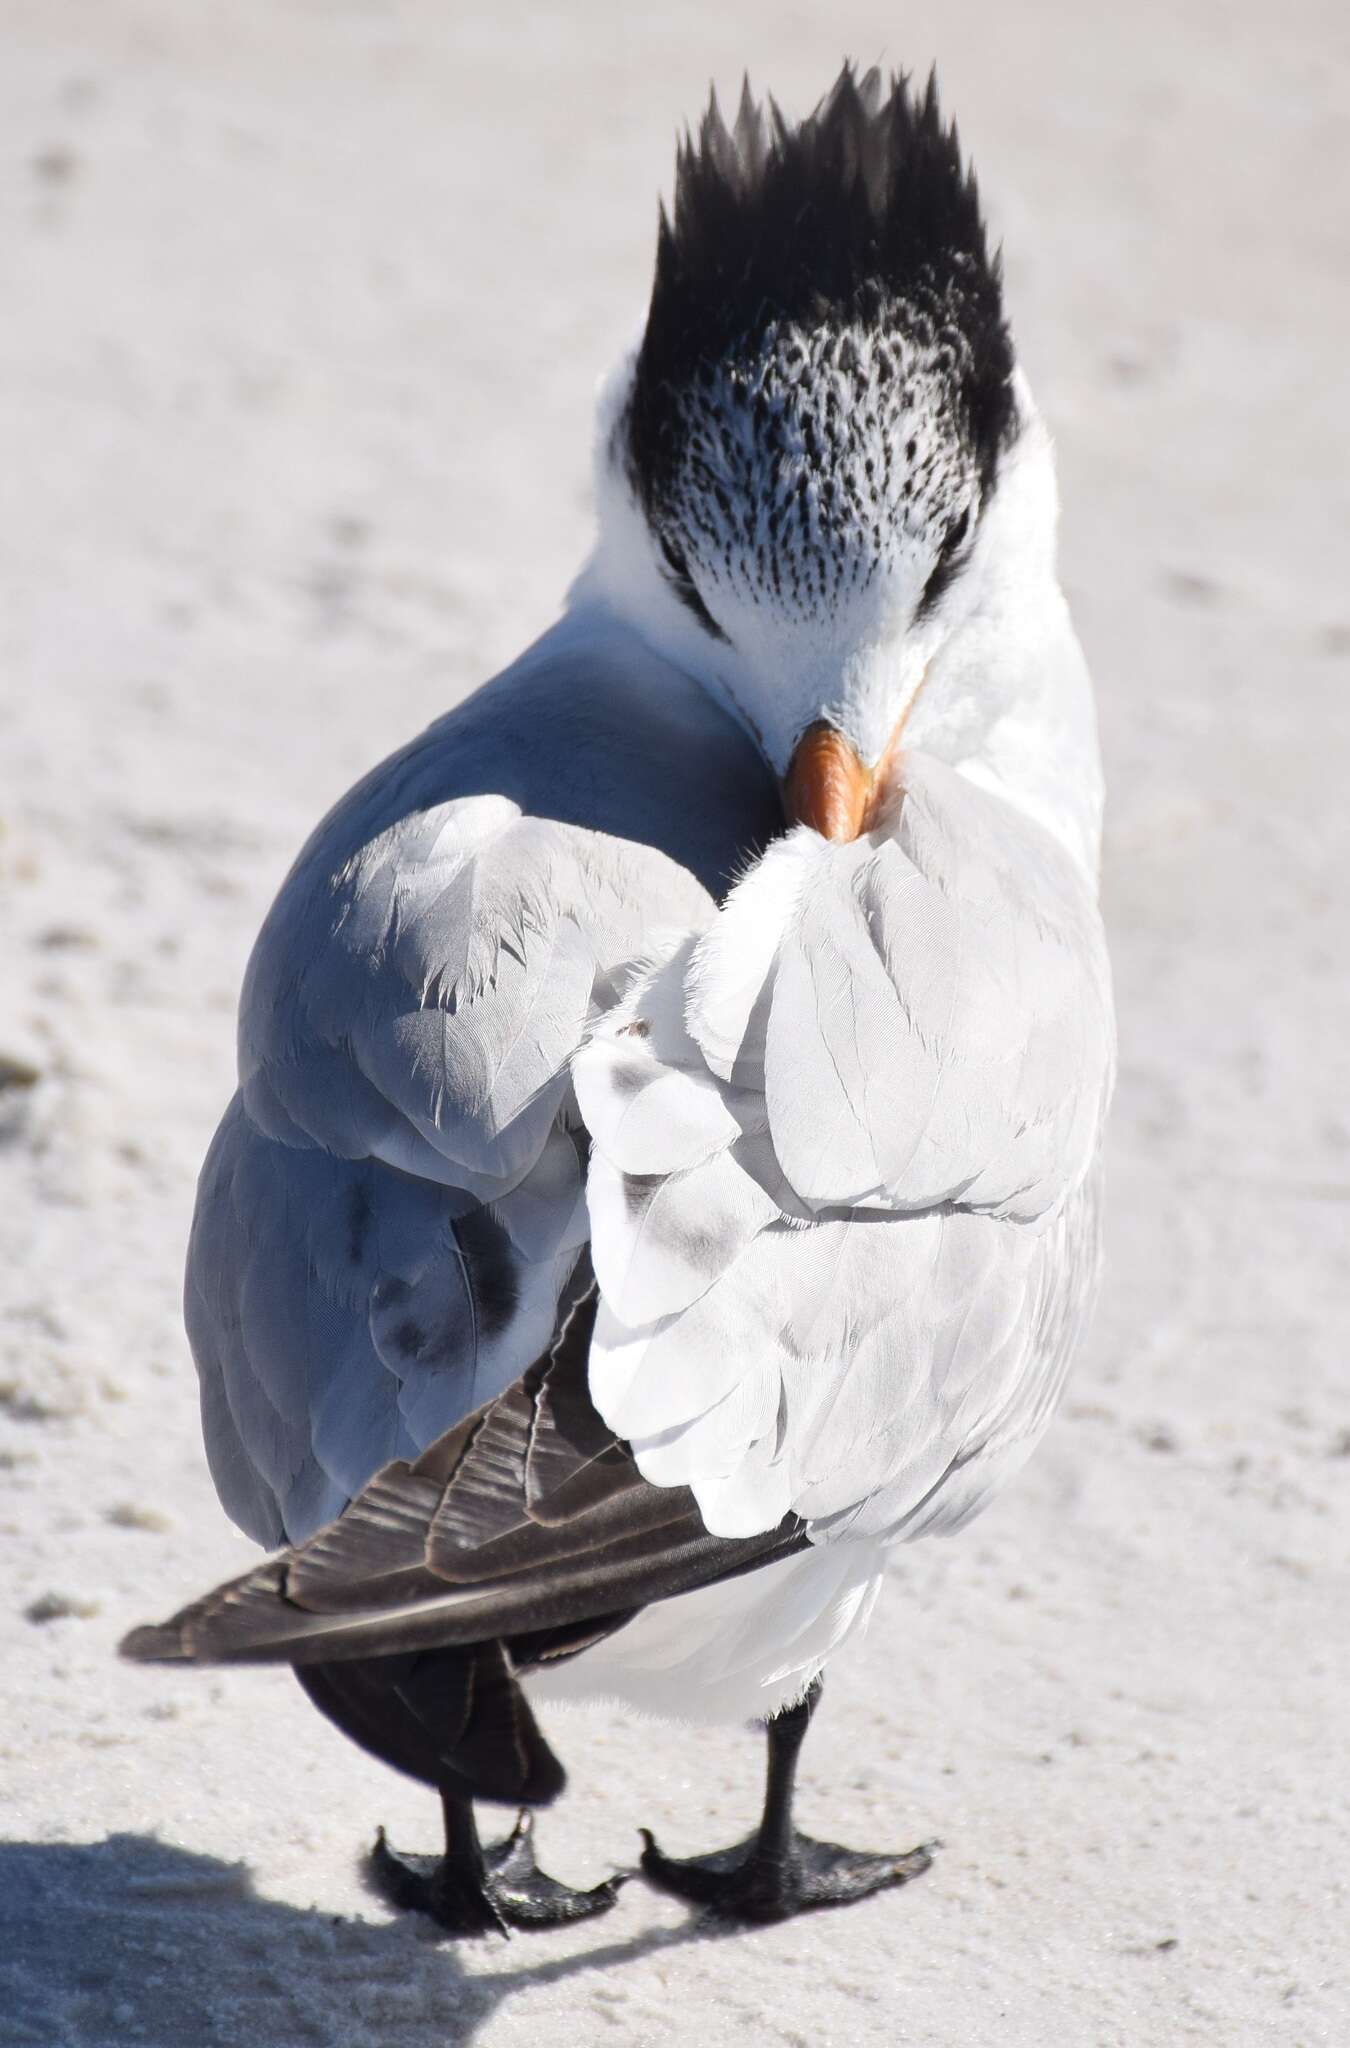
[408,1017]
[855,1248]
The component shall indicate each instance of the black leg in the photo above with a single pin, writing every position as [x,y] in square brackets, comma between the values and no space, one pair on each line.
[478,1890]
[779,1872]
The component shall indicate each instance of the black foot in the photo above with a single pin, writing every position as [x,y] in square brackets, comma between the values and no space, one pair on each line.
[740,1884]
[510,1890]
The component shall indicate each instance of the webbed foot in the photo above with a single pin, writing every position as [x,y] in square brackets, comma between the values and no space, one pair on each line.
[499,1888]
[747,1883]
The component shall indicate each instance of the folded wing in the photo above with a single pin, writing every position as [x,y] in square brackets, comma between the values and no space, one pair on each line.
[393,1205]
[843,1189]
[526,1521]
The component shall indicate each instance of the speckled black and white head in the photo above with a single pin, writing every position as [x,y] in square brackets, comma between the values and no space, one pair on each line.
[798,464]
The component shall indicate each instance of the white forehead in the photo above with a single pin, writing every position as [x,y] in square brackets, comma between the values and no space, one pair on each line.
[820,463]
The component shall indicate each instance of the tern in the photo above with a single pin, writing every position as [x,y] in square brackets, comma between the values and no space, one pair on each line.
[664,1176]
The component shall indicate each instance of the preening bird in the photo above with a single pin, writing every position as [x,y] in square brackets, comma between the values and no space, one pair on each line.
[663,1175]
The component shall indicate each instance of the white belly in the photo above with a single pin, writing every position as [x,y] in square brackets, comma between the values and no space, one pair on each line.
[736,1651]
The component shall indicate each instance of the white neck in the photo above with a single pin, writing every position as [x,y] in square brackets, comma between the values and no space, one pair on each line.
[1008,700]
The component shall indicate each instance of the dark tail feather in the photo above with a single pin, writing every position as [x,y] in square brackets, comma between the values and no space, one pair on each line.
[455,1719]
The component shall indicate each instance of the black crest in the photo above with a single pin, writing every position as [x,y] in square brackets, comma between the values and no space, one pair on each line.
[864,212]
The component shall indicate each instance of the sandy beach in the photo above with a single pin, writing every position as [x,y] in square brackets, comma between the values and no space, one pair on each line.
[305,305]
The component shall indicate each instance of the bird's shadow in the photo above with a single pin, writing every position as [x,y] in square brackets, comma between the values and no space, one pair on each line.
[132,1940]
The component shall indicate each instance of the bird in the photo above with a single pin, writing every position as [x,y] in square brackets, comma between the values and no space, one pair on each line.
[664,1175]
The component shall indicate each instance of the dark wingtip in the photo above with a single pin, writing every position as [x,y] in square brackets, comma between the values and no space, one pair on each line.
[154,1643]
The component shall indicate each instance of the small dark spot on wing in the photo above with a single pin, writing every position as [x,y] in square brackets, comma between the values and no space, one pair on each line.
[409,1338]
[490,1269]
[360,1210]
[638,1189]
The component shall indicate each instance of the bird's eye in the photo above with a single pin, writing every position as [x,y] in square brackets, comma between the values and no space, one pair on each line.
[682,583]
[949,560]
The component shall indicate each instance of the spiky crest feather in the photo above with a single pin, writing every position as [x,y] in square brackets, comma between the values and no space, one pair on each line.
[863,215]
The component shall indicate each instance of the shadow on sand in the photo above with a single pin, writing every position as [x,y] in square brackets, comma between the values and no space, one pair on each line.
[131,1941]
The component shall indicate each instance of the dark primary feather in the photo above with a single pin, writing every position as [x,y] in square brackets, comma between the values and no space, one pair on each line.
[528,1523]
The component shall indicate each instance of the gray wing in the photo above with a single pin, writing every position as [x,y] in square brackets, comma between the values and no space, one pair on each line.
[390,1213]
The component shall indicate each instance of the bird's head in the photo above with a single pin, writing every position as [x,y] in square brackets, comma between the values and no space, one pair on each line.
[798,465]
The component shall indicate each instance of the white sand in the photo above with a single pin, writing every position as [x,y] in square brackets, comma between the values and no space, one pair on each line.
[303,303]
